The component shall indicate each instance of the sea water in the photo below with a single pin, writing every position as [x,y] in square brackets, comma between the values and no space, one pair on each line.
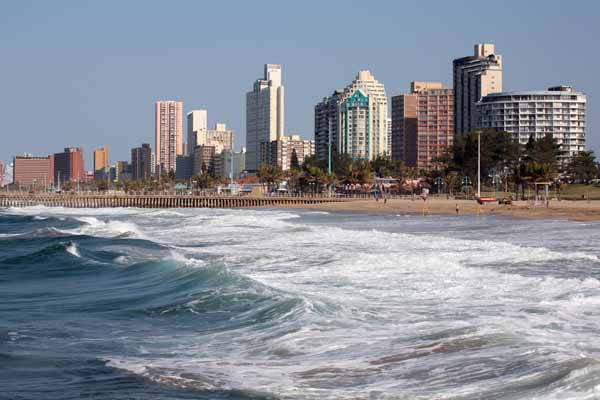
[279,304]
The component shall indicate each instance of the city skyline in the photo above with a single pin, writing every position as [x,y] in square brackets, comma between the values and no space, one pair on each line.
[315,68]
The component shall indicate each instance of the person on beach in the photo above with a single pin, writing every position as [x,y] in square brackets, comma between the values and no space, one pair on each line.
[456,208]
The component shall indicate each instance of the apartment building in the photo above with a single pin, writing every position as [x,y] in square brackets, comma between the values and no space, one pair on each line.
[422,123]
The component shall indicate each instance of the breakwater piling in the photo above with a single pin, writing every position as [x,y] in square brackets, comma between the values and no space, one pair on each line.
[155,201]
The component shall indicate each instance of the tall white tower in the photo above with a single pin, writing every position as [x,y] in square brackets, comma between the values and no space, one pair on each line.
[264,113]
[197,121]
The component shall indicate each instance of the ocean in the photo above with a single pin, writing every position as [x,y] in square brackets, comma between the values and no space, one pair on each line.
[291,304]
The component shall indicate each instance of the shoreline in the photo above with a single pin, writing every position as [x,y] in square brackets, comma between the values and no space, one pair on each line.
[558,210]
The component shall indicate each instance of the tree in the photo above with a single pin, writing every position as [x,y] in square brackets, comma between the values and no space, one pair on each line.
[294,164]
[203,181]
[102,185]
[269,174]
[583,167]
[383,166]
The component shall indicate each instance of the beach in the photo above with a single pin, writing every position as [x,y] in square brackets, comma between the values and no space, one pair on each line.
[561,210]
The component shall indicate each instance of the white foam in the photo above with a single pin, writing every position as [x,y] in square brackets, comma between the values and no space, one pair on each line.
[111,228]
[367,295]
[73,250]
[122,260]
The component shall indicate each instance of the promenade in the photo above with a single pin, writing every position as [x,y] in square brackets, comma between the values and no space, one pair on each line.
[157,201]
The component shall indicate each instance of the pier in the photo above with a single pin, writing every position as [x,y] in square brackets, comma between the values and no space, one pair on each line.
[154,201]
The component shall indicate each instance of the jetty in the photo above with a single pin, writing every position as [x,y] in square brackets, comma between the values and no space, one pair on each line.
[156,200]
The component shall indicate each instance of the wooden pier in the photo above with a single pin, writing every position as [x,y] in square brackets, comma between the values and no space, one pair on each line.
[154,201]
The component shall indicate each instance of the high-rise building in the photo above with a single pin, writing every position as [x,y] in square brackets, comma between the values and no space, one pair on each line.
[185,167]
[422,123]
[361,122]
[168,134]
[389,137]
[559,112]
[1,174]
[101,162]
[141,162]
[223,163]
[33,171]
[197,121]
[204,158]
[279,152]
[264,113]
[475,76]
[123,171]
[327,126]
[220,137]
[68,165]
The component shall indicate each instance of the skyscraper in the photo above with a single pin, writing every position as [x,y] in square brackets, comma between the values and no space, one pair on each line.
[197,122]
[101,162]
[168,134]
[474,77]
[355,120]
[264,113]
[327,126]
[68,165]
[422,123]
[141,162]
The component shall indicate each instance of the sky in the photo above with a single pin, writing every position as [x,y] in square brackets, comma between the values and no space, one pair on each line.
[87,73]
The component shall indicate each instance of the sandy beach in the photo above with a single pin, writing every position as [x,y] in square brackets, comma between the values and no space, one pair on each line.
[567,210]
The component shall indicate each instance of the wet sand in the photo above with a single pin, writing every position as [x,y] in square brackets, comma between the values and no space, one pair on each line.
[566,210]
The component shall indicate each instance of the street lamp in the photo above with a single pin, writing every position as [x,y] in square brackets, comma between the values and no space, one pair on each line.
[466,182]
[439,182]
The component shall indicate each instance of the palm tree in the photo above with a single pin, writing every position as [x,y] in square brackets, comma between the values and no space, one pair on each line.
[270,174]
[451,179]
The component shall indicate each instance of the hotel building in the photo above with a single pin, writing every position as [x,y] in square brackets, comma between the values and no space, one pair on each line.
[168,132]
[474,77]
[264,114]
[353,121]
[422,123]
[68,165]
[101,162]
[141,162]
[559,112]
[33,171]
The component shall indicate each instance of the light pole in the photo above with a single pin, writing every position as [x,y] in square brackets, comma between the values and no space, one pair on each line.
[438,182]
[466,182]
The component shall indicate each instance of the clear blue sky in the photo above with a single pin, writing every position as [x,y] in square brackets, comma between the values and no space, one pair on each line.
[86,73]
